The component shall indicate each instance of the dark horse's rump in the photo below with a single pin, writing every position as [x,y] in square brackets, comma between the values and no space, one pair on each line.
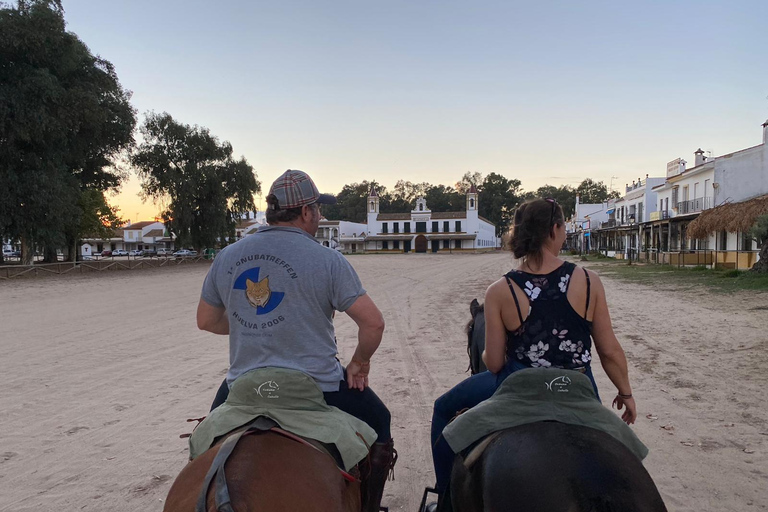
[270,473]
[553,467]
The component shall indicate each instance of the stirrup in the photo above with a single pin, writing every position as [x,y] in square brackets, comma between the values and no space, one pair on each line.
[427,491]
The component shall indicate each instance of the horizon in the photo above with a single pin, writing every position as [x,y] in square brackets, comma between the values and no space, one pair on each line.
[547,94]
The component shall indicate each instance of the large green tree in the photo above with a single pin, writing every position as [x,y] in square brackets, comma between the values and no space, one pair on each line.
[206,190]
[351,202]
[594,192]
[64,119]
[498,198]
[445,199]
[470,178]
[565,196]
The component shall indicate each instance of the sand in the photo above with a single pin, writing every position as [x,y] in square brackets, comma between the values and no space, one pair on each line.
[99,373]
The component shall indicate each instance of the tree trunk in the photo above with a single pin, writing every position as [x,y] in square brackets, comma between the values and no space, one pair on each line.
[27,252]
[72,255]
[761,265]
[50,255]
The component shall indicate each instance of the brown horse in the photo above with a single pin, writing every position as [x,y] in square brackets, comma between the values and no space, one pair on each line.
[268,472]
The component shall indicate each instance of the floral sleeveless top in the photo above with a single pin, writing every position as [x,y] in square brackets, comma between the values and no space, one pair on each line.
[554,334]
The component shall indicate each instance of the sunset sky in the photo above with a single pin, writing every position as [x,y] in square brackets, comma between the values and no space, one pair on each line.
[351,90]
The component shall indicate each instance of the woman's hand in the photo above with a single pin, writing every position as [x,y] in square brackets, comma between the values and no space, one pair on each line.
[357,374]
[630,414]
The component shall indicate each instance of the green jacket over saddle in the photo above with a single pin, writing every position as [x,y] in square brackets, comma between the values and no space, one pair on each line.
[293,400]
[540,394]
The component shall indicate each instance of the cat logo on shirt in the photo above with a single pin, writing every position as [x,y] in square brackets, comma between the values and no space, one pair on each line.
[258,292]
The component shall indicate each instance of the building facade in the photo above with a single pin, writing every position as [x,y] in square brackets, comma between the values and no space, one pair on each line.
[651,221]
[422,230]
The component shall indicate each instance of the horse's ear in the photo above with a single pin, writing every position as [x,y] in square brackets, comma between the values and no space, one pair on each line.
[473,307]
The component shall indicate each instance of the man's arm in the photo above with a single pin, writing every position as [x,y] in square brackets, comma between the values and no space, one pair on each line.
[370,328]
[212,319]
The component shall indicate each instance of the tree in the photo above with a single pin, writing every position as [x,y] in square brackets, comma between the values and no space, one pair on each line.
[64,118]
[351,202]
[760,233]
[470,178]
[498,198]
[565,196]
[206,189]
[445,199]
[594,192]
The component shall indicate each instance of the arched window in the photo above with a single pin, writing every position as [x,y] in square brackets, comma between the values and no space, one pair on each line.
[471,203]
[421,207]
[372,206]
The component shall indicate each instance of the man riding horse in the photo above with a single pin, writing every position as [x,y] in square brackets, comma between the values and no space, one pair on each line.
[275,293]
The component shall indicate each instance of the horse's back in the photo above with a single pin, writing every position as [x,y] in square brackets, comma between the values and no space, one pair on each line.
[268,473]
[549,466]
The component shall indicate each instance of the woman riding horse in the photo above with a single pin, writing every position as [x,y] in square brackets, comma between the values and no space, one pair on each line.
[546,313]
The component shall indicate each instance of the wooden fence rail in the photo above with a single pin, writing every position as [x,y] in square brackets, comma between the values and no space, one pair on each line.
[82,267]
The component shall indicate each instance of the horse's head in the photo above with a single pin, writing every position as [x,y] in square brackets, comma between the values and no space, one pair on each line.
[476,337]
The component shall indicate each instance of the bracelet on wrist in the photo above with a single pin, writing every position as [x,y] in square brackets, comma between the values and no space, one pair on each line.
[625,396]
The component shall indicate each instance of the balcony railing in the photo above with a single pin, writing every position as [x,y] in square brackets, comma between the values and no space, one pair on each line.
[694,205]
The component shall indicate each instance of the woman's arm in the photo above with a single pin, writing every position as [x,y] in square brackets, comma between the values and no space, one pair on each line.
[612,356]
[494,355]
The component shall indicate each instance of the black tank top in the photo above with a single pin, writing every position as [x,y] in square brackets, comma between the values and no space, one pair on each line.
[554,334]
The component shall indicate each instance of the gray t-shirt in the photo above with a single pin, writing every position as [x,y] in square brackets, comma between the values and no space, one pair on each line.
[280,289]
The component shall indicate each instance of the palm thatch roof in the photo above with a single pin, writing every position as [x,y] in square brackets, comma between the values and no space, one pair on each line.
[730,217]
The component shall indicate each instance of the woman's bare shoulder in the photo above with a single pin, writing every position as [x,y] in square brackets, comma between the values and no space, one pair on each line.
[497,286]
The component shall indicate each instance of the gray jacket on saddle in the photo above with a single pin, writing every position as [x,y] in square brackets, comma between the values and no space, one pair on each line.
[293,400]
[540,394]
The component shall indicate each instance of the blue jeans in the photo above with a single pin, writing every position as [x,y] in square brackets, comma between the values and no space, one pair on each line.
[364,405]
[465,395]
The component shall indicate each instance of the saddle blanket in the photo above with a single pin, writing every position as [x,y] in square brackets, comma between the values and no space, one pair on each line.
[540,394]
[294,401]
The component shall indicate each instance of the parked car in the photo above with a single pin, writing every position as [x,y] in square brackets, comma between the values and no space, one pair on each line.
[106,253]
[136,252]
[150,253]
[185,253]
[119,252]
[164,252]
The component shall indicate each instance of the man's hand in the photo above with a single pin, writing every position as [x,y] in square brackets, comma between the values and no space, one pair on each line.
[630,414]
[357,374]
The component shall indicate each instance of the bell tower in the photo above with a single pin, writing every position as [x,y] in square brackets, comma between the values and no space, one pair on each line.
[472,199]
[372,209]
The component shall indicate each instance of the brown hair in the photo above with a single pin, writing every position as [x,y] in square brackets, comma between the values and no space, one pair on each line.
[276,214]
[532,224]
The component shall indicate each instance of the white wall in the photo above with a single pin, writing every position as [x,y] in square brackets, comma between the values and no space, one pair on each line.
[742,175]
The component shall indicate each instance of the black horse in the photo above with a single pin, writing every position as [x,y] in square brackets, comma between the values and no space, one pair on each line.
[547,466]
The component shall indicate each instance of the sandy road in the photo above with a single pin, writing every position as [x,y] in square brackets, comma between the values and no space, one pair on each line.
[100,372]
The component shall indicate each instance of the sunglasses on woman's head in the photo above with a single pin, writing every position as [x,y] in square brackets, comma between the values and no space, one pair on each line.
[554,209]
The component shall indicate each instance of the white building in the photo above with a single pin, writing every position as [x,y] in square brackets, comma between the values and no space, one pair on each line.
[145,235]
[422,230]
[739,177]
[656,228]
[342,235]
